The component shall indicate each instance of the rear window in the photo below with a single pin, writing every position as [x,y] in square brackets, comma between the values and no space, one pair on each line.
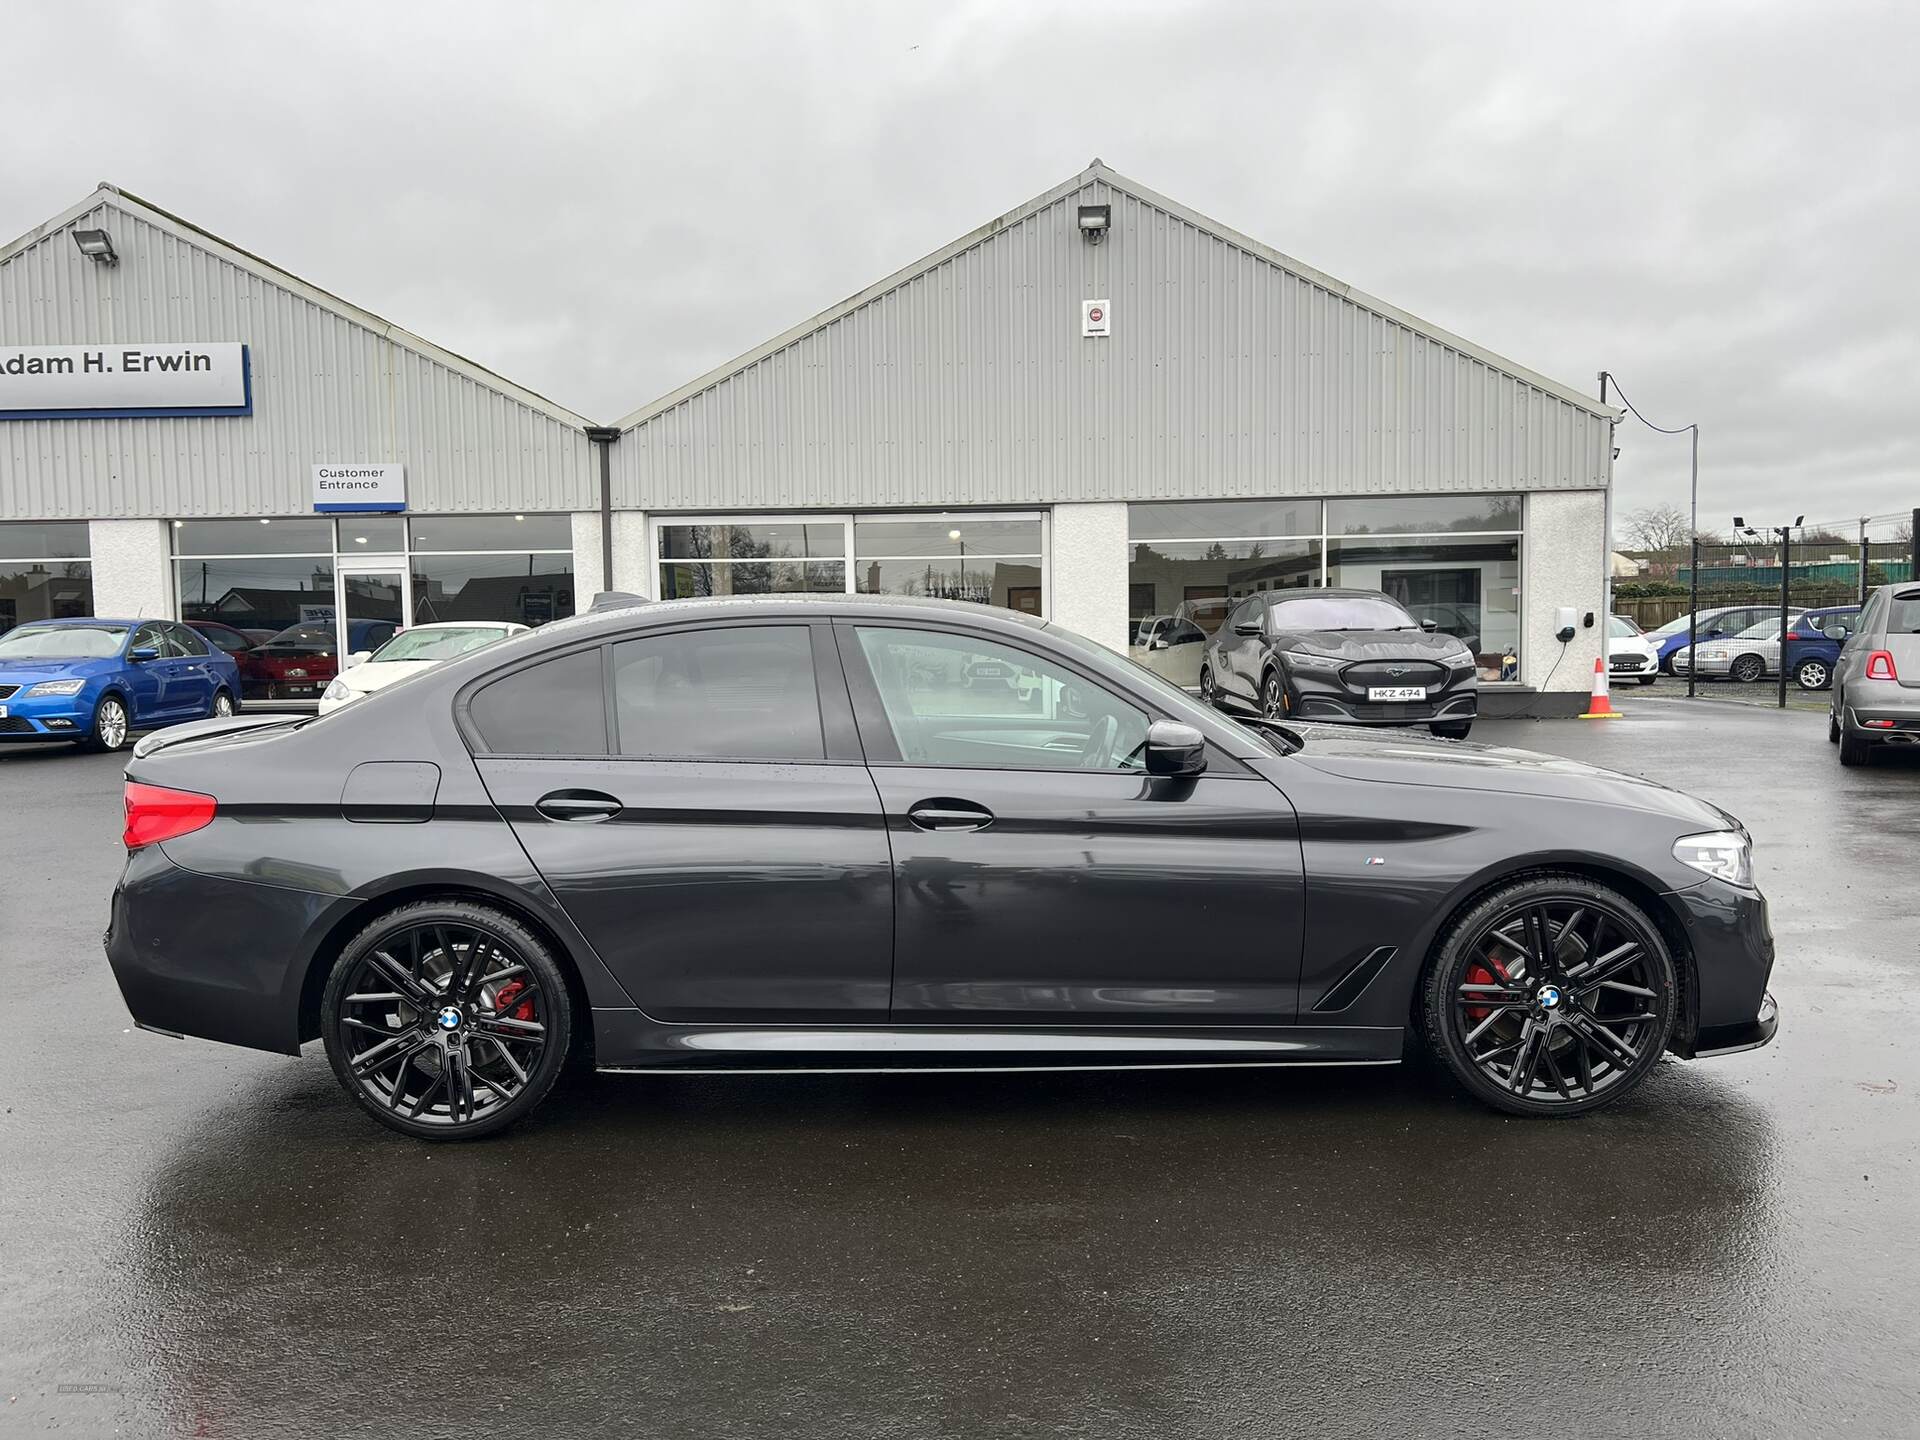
[1904,617]
[557,707]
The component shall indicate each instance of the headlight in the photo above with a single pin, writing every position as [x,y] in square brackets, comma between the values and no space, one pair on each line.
[1724,854]
[1462,661]
[58,687]
[337,691]
[1300,660]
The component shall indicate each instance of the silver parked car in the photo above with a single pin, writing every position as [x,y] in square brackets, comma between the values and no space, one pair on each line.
[1751,655]
[1876,683]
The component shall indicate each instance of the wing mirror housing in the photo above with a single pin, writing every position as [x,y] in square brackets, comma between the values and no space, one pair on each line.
[358,657]
[1158,642]
[1429,624]
[1175,749]
[1834,632]
[1246,627]
[141,654]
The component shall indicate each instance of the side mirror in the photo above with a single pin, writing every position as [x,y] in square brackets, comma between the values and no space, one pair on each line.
[141,654]
[1158,642]
[357,657]
[1429,624]
[1175,749]
[1246,627]
[1834,632]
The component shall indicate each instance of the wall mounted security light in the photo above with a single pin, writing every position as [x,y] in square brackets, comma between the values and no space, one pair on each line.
[97,246]
[1095,221]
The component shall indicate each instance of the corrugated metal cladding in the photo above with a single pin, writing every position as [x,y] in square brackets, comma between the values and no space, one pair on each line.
[1225,375]
[325,388]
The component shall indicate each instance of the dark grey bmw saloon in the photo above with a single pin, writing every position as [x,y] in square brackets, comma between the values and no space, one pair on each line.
[803,834]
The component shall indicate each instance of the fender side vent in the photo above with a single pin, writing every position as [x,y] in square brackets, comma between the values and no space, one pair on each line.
[1344,991]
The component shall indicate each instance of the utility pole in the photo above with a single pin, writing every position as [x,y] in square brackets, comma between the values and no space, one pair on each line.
[1786,581]
[1866,553]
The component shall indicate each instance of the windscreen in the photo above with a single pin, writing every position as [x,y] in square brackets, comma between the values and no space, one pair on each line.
[437,644]
[1337,612]
[62,642]
[1622,628]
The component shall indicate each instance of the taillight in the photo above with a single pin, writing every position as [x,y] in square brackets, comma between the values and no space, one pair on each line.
[155,813]
[1880,666]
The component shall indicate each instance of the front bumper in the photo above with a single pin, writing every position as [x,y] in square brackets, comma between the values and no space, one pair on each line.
[1732,943]
[1330,703]
[46,717]
[213,958]
[1632,666]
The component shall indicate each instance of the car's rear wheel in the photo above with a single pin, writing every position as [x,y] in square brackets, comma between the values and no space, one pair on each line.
[1748,669]
[446,1020]
[1452,729]
[1833,728]
[1855,749]
[1553,995]
[1812,675]
[223,706]
[111,725]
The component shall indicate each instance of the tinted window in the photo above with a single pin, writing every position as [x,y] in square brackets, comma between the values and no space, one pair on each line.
[1903,618]
[1334,612]
[731,693]
[185,641]
[291,536]
[228,640]
[148,636]
[962,701]
[43,540]
[557,707]
[492,532]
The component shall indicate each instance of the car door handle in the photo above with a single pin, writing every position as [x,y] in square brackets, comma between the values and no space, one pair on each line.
[949,815]
[588,805]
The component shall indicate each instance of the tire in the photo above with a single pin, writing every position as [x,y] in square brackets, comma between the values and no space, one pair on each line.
[1812,675]
[441,1034]
[1855,749]
[111,726]
[1833,728]
[1648,679]
[1572,1047]
[1209,692]
[223,706]
[1748,669]
[1452,729]
[1273,695]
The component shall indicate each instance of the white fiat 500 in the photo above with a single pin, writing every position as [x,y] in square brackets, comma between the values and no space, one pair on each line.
[410,652]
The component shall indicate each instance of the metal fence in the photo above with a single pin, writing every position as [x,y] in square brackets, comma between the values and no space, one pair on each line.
[1768,598]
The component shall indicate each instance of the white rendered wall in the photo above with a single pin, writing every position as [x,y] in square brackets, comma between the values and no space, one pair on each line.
[1562,558]
[1089,575]
[633,569]
[587,579]
[131,569]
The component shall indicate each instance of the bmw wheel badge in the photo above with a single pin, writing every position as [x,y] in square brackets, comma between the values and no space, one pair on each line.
[1547,995]
[449,1017]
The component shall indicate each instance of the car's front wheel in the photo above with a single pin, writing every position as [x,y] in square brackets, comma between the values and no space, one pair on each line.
[1648,679]
[111,725]
[1452,729]
[1553,995]
[1273,696]
[1812,675]
[1209,689]
[1748,669]
[446,1020]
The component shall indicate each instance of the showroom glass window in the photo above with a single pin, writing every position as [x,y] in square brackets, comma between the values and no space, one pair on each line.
[45,571]
[983,557]
[1453,559]
[489,567]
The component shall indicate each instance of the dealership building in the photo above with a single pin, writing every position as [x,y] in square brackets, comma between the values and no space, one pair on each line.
[1101,407]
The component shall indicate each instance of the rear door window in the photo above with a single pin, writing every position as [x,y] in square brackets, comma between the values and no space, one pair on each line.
[742,692]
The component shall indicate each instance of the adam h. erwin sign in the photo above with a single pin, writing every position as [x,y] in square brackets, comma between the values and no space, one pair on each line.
[83,382]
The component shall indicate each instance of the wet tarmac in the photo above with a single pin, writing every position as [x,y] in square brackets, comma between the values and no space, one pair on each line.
[197,1240]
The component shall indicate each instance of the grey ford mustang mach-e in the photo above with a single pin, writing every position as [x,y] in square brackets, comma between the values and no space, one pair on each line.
[795,833]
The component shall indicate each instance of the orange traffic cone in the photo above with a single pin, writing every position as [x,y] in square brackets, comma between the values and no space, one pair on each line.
[1600,706]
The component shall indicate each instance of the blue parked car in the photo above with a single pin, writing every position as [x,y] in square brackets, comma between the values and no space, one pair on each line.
[94,682]
[1811,654]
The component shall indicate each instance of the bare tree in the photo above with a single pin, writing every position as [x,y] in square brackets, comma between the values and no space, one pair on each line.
[1657,528]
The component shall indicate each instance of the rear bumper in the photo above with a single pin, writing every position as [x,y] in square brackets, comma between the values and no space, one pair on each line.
[1733,953]
[1896,706]
[217,959]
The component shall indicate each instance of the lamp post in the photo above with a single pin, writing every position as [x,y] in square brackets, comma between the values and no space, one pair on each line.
[955,536]
[1785,532]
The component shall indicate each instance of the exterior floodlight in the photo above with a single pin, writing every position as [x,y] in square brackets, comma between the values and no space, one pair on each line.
[1798,521]
[96,245]
[953,534]
[1739,522]
[1094,222]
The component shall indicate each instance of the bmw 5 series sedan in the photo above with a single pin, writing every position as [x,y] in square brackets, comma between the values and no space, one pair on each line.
[772,834]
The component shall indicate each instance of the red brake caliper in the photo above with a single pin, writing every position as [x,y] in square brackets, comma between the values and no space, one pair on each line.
[1479,974]
[505,998]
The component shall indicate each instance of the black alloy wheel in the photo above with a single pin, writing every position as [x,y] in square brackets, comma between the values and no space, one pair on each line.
[1554,995]
[1273,696]
[1812,675]
[446,1020]
[1748,669]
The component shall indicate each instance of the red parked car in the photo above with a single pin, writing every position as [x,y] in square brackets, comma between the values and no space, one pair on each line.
[301,661]
[240,646]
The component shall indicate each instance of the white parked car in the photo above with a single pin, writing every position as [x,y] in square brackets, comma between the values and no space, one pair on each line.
[410,652]
[1631,654]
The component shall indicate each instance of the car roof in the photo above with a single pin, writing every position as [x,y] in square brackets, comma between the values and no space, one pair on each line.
[867,605]
[88,620]
[462,625]
[1325,593]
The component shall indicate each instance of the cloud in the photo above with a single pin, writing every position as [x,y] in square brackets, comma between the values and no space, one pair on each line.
[1710,201]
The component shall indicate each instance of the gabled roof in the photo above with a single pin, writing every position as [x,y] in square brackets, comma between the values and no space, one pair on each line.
[1100,172]
[113,195]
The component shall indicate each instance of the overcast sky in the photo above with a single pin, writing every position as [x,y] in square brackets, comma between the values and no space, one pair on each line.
[1719,204]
